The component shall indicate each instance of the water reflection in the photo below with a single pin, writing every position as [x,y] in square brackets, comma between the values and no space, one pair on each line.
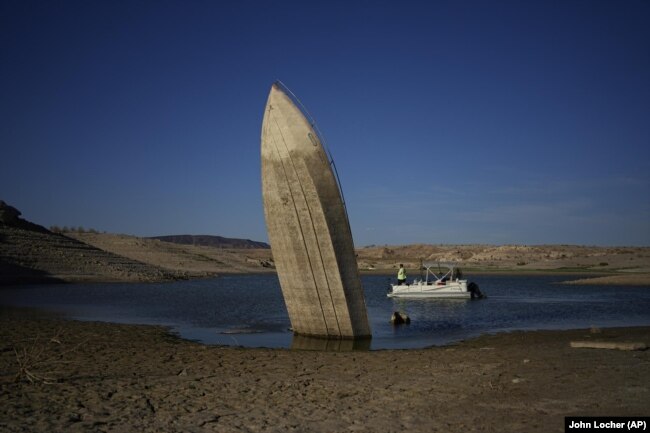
[301,342]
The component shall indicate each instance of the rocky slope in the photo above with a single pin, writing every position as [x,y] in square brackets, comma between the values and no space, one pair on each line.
[29,256]
[190,260]
[213,241]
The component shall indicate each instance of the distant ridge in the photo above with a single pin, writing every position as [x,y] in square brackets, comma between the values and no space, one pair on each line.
[212,241]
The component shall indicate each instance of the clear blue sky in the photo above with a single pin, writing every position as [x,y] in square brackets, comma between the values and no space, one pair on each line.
[498,122]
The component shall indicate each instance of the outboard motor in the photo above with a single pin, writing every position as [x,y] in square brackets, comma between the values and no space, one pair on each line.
[475,291]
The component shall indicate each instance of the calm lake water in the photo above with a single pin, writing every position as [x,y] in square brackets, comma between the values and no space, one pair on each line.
[249,310]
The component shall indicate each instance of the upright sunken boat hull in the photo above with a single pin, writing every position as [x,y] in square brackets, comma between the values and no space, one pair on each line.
[308,226]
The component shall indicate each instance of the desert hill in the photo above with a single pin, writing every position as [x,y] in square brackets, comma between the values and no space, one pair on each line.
[213,241]
[31,253]
[618,265]
[193,261]
[510,257]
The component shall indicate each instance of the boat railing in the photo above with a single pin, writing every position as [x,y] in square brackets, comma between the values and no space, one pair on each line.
[321,138]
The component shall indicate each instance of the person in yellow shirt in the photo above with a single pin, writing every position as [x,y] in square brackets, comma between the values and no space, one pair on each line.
[401,275]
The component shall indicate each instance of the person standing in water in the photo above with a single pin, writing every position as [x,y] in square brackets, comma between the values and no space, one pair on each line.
[401,275]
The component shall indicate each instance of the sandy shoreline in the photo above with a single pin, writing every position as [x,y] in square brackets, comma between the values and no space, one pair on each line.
[110,377]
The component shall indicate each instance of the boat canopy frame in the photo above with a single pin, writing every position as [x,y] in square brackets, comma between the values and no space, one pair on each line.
[451,266]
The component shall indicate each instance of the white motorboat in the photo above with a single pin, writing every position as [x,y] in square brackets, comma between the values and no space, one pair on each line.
[443,285]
